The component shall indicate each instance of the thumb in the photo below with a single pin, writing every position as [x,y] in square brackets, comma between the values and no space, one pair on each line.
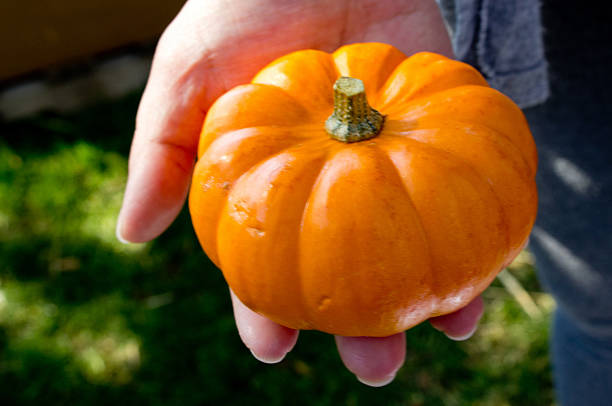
[157,185]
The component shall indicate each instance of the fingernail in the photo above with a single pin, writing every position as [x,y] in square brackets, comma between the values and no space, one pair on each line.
[378,382]
[119,236]
[462,337]
[268,360]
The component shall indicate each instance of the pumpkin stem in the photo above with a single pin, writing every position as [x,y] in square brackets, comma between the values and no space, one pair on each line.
[353,119]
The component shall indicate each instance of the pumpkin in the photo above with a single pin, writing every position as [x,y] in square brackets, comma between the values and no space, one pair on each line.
[362,192]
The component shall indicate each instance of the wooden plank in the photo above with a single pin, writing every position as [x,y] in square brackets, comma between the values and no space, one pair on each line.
[35,34]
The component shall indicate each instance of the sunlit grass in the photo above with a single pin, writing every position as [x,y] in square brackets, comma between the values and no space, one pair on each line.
[76,190]
[94,337]
[71,194]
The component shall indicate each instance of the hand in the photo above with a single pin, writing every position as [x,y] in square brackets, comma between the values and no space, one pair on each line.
[213,46]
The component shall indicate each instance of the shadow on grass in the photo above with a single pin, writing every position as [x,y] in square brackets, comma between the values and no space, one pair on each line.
[87,320]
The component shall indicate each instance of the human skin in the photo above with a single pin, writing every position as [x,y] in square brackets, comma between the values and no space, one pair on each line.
[214,45]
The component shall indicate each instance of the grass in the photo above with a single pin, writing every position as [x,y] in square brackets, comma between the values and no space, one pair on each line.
[87,320]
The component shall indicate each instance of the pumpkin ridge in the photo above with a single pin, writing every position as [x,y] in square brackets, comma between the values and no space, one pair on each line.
[398,107]
[232,184]
[329,156]
[525,178]
[211,247]
[398,66]
[407,111]
[220,118]
[525,173]
[309,318]
[434,280]
[426,90]
[500,207]
[296,131]
[385,64]
[280,74]
[268,157]
[261,133]
[461,161]
[521,152]
[383,81]
[421,86]
[341,277]
[294,153]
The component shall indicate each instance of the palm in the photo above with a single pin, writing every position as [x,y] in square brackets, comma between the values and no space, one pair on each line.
[223,44]
[215,45]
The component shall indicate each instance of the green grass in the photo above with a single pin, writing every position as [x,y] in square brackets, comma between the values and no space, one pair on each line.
[87,320]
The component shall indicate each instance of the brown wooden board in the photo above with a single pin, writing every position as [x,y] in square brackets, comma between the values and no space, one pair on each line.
[35,34]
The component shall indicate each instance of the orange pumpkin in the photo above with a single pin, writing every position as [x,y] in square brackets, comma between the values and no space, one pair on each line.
[373,222]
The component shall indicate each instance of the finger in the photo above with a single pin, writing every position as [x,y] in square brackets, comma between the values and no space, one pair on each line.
[163,151]
[461,324]
[268,341]
[374,360]
[157,186]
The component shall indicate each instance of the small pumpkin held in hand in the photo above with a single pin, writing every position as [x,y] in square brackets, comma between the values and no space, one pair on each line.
[362,192]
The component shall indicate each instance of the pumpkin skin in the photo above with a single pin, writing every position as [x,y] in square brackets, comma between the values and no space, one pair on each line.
[367,238]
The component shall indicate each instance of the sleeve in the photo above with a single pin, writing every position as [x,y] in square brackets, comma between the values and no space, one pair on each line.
[502,39]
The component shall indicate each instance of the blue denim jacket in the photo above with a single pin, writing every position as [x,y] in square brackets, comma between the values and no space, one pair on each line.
[502,39]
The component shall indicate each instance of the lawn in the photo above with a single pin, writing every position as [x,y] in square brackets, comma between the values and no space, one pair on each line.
[86,320]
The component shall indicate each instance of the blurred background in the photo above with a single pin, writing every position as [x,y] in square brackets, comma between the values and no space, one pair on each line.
[87,320]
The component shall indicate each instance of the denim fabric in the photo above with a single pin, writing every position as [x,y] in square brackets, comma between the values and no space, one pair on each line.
[582,365]
[572,240]
[502,39]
